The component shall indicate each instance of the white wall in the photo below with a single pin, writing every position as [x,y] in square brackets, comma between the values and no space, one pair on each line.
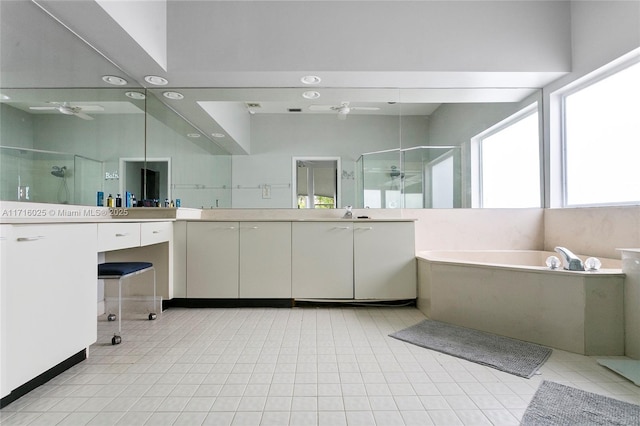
[362,36]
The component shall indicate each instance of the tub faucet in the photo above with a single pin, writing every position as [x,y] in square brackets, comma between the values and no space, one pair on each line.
[570,261]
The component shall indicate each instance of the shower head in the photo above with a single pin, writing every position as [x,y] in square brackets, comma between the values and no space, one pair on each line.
[58,171]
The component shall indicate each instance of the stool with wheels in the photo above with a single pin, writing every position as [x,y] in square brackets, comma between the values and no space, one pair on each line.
[119,271]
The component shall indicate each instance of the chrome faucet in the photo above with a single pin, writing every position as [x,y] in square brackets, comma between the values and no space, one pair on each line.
[348,214]
[570,261]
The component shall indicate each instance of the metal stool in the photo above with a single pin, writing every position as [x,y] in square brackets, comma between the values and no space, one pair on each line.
[119,271]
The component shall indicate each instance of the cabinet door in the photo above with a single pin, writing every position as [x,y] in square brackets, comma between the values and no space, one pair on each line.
[265,260]
[322,260]
[5,233]
[51,284]
[384,260]
[212,260]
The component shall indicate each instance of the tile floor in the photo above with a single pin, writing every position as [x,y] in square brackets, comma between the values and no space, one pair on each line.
[301,366]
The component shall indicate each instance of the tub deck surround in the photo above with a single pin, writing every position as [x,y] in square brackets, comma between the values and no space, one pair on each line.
[507,293]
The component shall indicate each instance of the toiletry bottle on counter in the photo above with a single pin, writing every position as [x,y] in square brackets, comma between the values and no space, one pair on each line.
[100,200]
[110,202]
[118,200]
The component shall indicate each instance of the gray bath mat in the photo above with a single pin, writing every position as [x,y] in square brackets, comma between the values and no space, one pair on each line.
[502,353]
[556,404]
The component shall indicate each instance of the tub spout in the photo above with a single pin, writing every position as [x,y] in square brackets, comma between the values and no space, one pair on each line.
[570,261]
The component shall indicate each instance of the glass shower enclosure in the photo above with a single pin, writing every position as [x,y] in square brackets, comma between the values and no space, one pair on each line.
[49,177]
[418,177]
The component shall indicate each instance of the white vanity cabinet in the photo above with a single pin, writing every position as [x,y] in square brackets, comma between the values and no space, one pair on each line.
[265,260]
[212,260]
[384,260]
[48,295]
[322,260]
[4,244]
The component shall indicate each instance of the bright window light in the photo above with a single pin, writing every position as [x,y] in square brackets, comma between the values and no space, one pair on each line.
[602,141]
[510,163]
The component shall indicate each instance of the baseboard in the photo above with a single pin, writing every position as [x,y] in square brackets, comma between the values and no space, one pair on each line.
[280,303]
[228,303]
[43,378]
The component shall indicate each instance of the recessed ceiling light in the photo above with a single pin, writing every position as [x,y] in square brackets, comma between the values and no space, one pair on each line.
[193,135]
[4,97]
[136,95]
[311,94]
[217,135]
[310,79]
[173,95]
[156,80]
[112,79]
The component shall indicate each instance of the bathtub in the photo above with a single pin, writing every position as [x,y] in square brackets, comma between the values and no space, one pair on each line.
[512,293]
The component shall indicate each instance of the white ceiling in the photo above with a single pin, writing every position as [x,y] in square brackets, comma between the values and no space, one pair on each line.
[402,57]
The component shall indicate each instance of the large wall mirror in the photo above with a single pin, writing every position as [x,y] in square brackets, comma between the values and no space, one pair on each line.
[65,134]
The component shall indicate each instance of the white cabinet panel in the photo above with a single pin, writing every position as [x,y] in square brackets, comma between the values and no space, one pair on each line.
[5,234]
[322,260]
[155,232]
[50,282]
[265,260]
[384,260]
[116,236]
[212,259]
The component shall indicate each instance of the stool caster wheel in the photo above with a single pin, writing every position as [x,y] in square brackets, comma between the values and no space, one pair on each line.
[116,340]
[152,316]
[111,317]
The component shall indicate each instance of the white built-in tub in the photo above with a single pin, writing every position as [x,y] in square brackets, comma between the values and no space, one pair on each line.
[513,293]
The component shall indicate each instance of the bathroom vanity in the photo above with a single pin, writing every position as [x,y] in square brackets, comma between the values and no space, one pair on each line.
[300,260]
[49,286]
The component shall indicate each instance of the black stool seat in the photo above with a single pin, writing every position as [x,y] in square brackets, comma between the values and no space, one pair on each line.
[118,269]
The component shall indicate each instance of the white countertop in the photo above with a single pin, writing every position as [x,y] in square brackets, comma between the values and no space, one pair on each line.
[13,212]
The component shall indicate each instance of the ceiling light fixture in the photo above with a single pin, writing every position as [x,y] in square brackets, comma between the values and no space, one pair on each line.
[115,80]
[311,94]
[217,135]
[135,95]
[156,80]
[176,96]
[310,79]
[193,135]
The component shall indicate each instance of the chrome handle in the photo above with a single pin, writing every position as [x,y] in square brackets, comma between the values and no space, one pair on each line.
[231,227]
[367,228]
[342,227]
[157,232]
[23,239]
[122,235]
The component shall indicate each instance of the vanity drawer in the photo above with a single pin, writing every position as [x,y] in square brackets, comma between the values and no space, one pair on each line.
[115,236]
[155,232]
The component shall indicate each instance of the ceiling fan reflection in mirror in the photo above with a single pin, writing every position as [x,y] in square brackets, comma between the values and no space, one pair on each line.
[343,109]
[68,109]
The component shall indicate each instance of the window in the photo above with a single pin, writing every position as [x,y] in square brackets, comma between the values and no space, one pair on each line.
[508,157]
[601,139]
